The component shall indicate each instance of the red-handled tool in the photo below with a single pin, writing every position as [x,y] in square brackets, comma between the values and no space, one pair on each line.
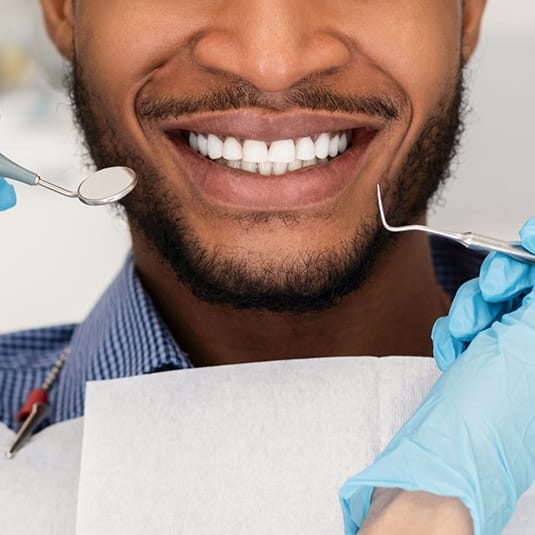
[38,395]
[35,408]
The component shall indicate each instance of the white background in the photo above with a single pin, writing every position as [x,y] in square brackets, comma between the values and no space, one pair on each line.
[57,256]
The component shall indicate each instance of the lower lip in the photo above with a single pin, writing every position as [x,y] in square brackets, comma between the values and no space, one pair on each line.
[295,190]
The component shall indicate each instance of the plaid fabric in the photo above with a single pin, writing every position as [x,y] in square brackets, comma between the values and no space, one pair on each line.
[124,336]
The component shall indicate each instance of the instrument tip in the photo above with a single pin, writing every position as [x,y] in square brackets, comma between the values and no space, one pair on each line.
[381,209]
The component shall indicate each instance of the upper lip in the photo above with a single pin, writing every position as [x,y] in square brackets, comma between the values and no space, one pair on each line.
[269,126]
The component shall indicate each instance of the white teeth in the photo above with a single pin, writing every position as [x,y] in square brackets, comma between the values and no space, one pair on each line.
[248,166]
[255,151]
[304,149]
[295,165]
[203,145]
[275,158]
[232,149]
[215,147]
[282,151]
[279,168]
[342,143]
[310,163]
[193,142]
[265,168]
[333,146]
[322,146]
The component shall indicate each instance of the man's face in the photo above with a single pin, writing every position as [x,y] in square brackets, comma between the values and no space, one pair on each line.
[259,130]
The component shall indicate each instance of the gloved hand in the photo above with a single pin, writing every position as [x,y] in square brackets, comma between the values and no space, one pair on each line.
[473,437]
[7,195]
[502,284]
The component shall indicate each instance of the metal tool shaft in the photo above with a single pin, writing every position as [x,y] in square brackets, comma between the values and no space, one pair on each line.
[55,188]
[39,412]
[471,240]
[487,243]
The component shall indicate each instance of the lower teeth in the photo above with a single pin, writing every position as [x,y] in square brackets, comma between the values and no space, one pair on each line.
[271,168]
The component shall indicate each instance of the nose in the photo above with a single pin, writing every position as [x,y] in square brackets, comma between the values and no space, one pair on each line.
[272,44]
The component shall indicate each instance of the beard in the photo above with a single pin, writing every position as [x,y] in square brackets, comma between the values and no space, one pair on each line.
[304,281]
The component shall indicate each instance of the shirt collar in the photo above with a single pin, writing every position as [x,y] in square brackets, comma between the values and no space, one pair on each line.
[123,335]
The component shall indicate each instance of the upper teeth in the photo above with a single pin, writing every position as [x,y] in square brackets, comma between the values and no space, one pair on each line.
[276,157]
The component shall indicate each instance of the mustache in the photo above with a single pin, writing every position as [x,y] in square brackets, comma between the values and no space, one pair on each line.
[244,95]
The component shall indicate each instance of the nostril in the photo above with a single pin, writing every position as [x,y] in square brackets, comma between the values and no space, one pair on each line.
[217,51]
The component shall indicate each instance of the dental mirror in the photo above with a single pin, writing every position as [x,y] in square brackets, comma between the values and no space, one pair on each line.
[107,186]
[103,187]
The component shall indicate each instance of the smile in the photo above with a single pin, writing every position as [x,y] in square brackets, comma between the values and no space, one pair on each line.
[261,161]
[270,158]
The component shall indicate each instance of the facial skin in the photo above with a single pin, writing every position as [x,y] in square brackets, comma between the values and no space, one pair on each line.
[307,241]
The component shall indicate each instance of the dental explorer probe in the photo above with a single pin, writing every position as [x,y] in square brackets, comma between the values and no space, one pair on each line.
[470,240]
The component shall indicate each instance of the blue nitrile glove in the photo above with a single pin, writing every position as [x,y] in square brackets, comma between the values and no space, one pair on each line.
[7,195]
[502,283]
[473,437]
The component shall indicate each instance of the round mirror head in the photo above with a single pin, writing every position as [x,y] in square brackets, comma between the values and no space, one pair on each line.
[107,186]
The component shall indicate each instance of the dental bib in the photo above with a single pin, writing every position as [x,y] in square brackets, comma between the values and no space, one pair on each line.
[253,448]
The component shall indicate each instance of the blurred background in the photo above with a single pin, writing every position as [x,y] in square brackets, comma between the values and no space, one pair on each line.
[57,256]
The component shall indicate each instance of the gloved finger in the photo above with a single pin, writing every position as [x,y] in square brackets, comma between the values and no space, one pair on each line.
[527,235]
[8,198]
[471,313]
[355,498]
[523,312]
[502,278]
[350,527]
[446,348]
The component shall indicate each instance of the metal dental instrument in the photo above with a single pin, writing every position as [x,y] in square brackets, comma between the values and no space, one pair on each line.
[103,187]
[470,240]
[36,407]
[38,413]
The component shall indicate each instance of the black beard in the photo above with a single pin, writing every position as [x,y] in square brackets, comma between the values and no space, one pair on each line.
[309,282]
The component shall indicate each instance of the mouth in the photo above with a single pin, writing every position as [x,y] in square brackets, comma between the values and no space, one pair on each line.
[263,163]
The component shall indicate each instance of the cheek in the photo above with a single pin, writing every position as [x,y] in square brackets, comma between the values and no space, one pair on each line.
[121,43]
[417,43]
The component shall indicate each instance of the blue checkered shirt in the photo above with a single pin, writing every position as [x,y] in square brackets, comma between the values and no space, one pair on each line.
[124,336]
